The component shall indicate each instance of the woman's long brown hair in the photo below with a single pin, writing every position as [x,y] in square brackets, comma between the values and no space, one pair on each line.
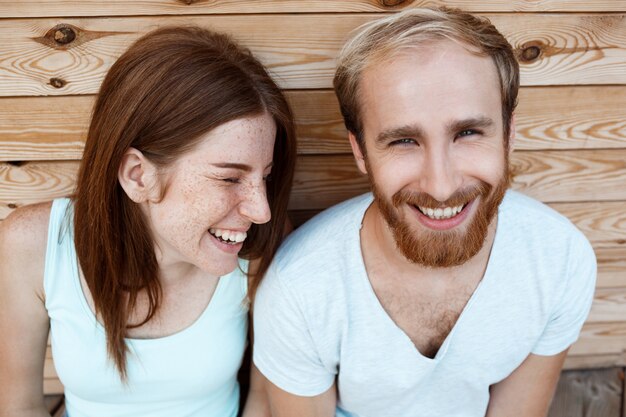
[171,87]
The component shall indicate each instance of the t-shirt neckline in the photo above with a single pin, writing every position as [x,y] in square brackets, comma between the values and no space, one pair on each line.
[377,306]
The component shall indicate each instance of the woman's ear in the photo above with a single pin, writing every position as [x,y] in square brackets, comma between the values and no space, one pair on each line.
[138,177]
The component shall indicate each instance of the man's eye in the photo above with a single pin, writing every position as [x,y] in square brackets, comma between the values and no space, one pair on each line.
[403,141]
[467,132]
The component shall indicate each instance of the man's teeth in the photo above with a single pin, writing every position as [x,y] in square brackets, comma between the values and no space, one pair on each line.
[229,236]
[441,213]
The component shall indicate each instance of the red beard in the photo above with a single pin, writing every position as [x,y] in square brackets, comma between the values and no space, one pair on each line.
[442,249]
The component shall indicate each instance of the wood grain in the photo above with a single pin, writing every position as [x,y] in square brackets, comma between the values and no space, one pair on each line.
[611,266]
[40,8]
[594,361]
[581,117]
[609,305]
[33,182]
[594,393]
[322,181]
[52,386]
[563,176]
[602,222]
[571,118]
[601,339]
[300,52]
[43,128]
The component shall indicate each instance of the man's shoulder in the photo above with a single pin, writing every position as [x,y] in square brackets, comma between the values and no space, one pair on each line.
[528,212]
[325,237]
[538,224]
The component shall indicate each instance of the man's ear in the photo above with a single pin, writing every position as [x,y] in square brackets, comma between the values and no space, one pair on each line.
[512,134]
[358,154]
[138,177]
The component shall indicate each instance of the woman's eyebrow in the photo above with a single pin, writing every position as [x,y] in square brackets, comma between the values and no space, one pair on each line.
[238,166]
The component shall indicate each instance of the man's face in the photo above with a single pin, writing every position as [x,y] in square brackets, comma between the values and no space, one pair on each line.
[435,150]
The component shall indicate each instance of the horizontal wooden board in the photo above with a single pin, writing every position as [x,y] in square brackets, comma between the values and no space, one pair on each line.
[604,223]
[609,305]
[594,361]
[581,117]
[322,181]
[48,370]
[589,393]
[611,267]
[52,386]
[559,48]
[43,128]
[571,118]
[41,8]
[562,176]
[597,339]
[34,182]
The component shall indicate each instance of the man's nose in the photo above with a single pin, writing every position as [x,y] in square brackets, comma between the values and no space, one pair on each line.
[439,177]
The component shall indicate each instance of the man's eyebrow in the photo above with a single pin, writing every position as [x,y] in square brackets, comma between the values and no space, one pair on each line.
[406,131]
[415,131]
[481,122]
[238,166]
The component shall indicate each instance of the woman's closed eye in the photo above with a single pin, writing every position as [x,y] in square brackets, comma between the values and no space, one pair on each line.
[231,180]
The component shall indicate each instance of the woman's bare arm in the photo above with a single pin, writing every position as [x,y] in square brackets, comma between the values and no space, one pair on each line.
[24,320]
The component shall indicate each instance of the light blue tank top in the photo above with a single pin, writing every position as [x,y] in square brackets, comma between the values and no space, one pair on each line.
[189,374]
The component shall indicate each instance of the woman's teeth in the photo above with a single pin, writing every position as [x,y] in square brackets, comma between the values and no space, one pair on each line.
[228,236]
[441,213]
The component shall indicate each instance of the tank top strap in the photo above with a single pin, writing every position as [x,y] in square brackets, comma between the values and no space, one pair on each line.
[59,250]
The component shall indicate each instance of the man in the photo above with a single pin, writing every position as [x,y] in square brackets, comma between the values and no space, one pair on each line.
[441,293]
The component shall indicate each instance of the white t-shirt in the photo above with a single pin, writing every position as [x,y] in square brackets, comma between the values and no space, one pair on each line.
[318,320]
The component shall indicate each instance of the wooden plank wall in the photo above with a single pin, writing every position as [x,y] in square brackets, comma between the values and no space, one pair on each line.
[571,121]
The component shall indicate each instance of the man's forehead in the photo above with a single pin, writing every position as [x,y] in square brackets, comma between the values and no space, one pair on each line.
[429,77]
[432,48]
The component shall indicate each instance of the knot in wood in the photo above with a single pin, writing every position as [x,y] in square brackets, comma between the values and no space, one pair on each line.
[12,205]
[57,82]
[64,34]
[394,3]
[530,52]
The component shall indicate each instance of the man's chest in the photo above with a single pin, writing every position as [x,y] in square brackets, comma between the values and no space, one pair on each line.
[426,317]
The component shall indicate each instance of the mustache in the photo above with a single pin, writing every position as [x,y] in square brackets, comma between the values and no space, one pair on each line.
[460,197]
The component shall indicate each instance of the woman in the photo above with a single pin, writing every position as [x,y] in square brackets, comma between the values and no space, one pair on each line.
[142,275]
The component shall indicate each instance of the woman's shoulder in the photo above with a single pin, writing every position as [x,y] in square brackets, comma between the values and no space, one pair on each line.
[23,241]
[26,227]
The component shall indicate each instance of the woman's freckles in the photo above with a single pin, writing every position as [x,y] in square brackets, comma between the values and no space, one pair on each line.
[218,184]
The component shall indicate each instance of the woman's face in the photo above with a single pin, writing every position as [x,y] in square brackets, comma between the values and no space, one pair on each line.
[213,194]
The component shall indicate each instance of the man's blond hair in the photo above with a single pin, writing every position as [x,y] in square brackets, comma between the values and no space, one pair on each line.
[381,39]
